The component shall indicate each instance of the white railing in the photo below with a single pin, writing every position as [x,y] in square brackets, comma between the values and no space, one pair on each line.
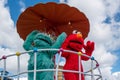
[90,72]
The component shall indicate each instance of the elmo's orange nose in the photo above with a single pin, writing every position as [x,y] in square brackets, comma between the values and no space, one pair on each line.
[79,35]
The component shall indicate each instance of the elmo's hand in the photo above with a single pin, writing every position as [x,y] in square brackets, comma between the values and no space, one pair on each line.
[89,47]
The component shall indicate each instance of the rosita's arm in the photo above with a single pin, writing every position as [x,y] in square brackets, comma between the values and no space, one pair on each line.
[59,41]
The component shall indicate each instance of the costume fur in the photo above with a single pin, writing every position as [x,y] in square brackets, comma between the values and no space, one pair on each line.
[44,58]
[75,42]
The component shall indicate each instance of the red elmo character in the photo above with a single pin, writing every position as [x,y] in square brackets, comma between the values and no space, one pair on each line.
[75,42]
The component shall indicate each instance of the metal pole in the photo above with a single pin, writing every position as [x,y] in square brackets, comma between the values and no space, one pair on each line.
[100,73]
[4,69]
[35,64]
[92,75]
[18,69]
[79,66]
[56,76]
[3,75]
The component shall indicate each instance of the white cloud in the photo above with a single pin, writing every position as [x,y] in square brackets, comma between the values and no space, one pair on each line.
[111,6]
[10,41]
[116,75]
[93,9]
[8,35]
[22,5]
[23,78]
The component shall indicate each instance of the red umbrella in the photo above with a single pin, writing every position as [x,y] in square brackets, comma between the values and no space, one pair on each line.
[52,18]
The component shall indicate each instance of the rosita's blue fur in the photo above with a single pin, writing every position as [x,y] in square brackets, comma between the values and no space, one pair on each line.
[44,58]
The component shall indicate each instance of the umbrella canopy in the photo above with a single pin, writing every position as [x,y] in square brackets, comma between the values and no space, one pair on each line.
[52,18]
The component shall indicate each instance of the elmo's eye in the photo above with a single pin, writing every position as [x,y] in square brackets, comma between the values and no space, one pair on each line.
[75,32]
[79,32]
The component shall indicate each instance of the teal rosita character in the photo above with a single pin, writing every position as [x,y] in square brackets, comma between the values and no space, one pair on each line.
[40,40]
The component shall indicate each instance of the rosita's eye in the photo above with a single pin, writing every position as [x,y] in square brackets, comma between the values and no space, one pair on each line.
[33,43]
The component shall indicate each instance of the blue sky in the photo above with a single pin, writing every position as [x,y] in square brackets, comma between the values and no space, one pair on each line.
[15,7]
[117,63]
[105,29]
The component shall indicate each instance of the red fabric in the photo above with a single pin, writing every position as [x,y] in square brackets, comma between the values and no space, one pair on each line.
[75,43]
